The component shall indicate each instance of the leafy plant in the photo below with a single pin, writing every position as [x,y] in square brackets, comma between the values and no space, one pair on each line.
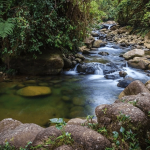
[104,110]
[102,130]
[6,27]
[60,123]
[122,117]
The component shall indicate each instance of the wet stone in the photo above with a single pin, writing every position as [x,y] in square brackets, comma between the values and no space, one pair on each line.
[78,101]
[65,98]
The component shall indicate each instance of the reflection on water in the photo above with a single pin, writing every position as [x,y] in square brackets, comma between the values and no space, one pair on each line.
[72,96]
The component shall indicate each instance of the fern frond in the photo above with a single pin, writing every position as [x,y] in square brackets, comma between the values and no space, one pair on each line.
[6,27]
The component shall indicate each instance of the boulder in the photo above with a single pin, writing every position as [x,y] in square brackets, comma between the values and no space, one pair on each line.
[67,63]
[94,34]
[78,60]
[98,43]
[124,30]
[134,88]
[110,76]
[103,53]
[133,53]
[125,82]
[34,91]
[20,135]
[142,101]
[8,124]
[122,73]
[44,135]
[110,116]
[82,48]
[64,147]
[79,56]
[48,63]
[86,51]
[139,62]
[89,42]
[147,45]
[78,121]
[148,86]
[87,138]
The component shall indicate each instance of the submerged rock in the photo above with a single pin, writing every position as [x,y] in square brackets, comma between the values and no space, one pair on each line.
[34,91]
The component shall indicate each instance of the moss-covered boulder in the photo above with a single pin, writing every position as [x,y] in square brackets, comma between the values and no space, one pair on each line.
[34,91]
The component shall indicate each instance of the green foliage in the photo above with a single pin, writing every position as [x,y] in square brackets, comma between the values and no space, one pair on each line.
[6,27]
[126,137]
[39,25]
[123,118]
[102,130]
[7,146]
[60,123]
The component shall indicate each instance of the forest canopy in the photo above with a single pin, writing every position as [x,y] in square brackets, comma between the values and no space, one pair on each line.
[34,25]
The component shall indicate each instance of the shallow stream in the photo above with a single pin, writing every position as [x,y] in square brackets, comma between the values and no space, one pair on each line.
[73,94]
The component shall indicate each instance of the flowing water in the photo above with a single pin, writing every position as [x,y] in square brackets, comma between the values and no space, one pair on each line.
[73,94]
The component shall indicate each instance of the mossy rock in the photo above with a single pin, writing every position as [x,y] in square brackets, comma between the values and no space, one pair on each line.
[34,91]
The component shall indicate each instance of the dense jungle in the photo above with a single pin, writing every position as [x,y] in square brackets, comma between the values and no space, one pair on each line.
[74,75]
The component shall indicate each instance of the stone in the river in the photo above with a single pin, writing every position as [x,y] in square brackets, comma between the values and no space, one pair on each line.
[34,91]
[110,76]
[98,43]
[94,34]
[30,82]
[139,62]
[65,98]
[124,83]
[78,60]
[122,74]
[78,101]
[134,88]
[43,84]
[67,63]
[103,53]
[133,53]
[20,85]
[79,56]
